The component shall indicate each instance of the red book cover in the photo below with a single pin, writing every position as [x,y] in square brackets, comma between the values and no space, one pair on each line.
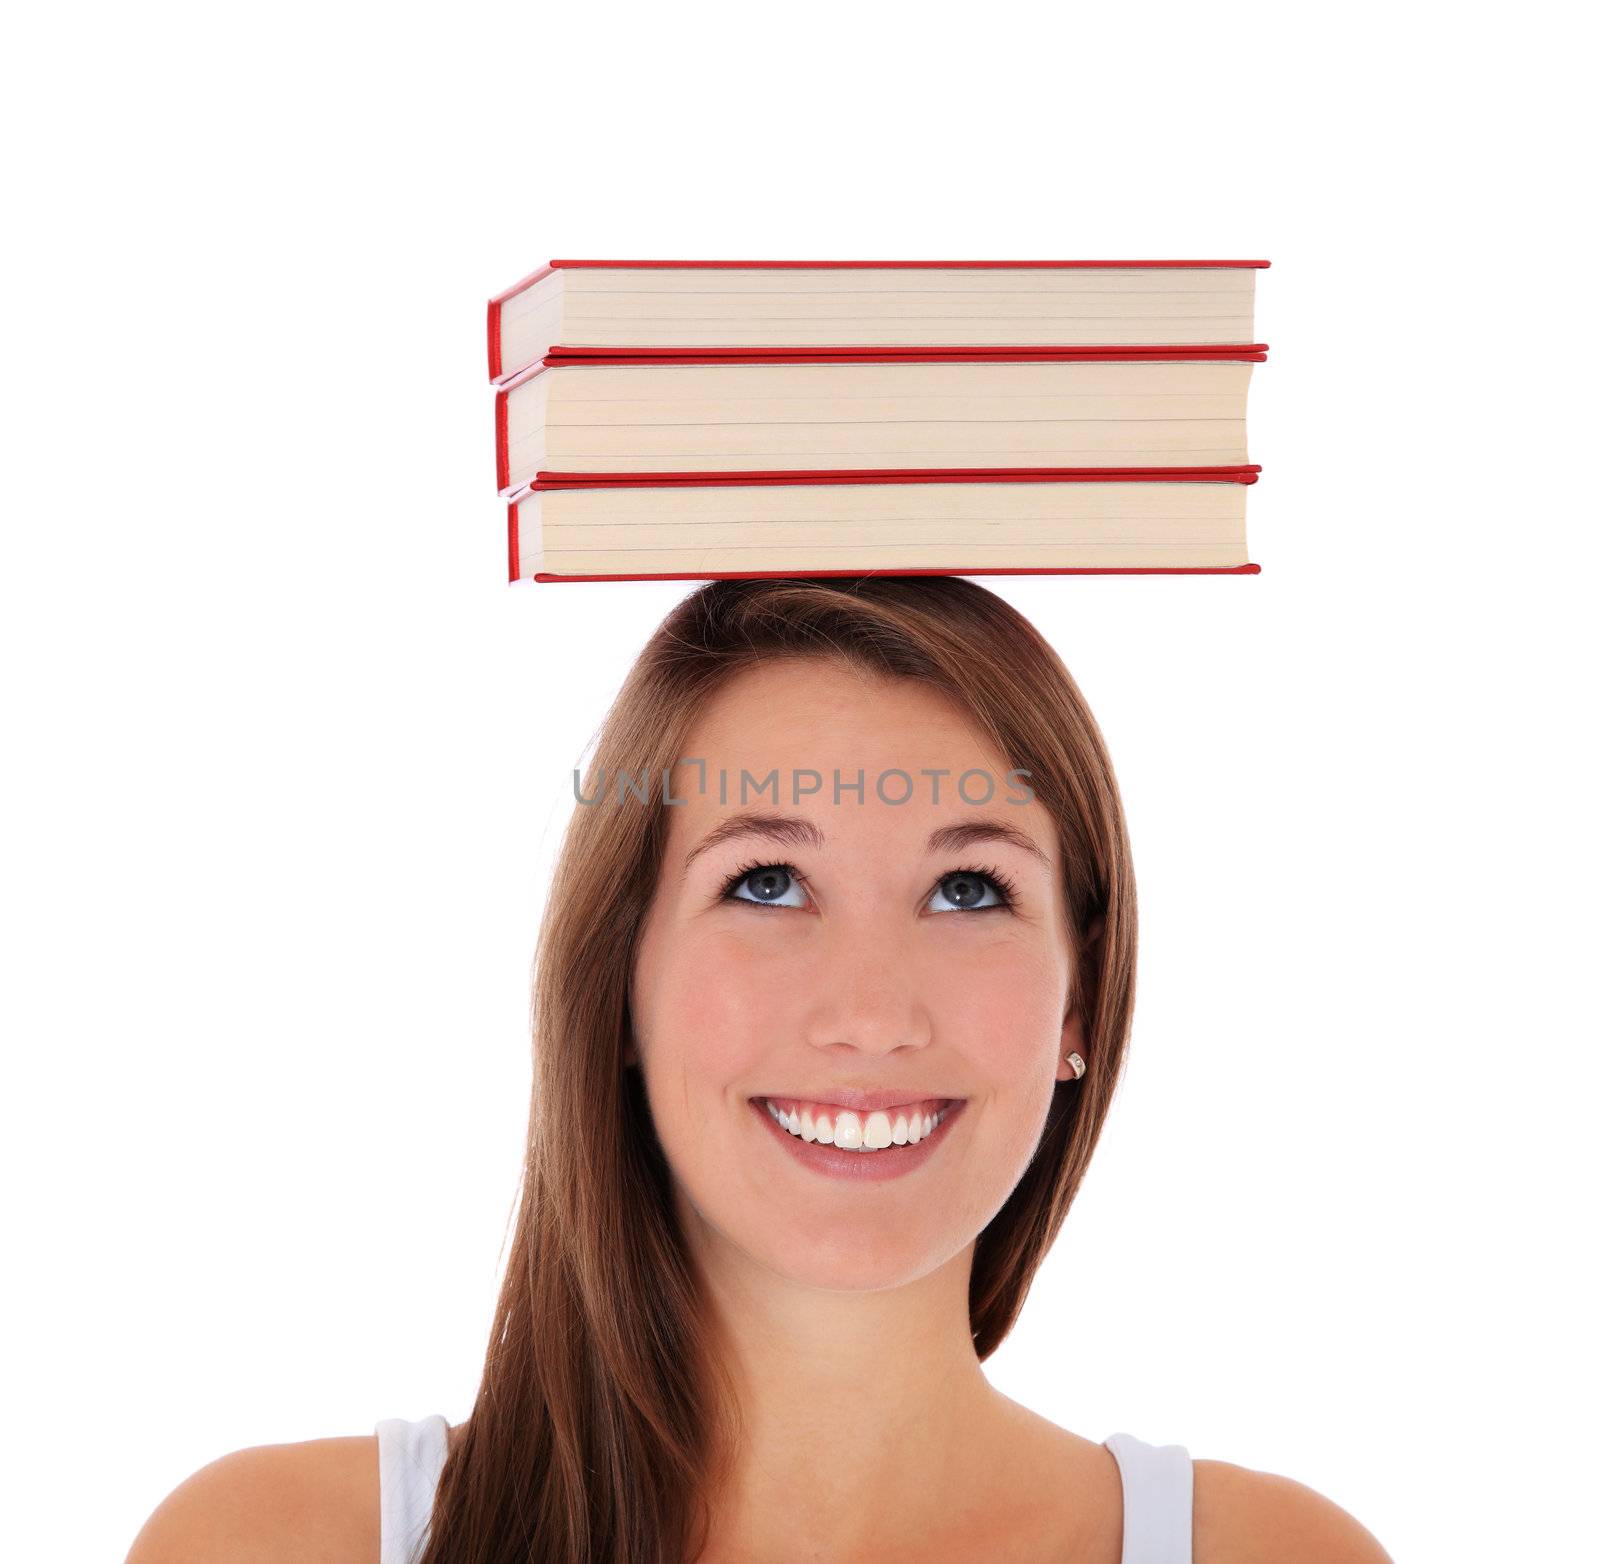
[496,303]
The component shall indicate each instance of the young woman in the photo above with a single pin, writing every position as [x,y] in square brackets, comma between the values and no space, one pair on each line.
[831,999]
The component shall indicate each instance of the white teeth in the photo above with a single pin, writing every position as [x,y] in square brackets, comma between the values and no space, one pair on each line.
[849,1134]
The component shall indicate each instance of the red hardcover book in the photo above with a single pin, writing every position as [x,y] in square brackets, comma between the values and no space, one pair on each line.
[706,526]
[569,307]
[615,415]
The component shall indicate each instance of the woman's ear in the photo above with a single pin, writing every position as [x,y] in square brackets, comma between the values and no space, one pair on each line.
[1072,1027]
[1071,1043]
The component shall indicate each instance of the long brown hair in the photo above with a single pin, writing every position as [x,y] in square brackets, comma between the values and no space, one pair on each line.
[601,1420]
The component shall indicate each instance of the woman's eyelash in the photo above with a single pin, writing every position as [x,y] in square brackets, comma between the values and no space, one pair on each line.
[1001,881]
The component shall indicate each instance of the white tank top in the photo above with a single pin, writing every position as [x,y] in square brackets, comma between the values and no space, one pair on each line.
[1157,1492]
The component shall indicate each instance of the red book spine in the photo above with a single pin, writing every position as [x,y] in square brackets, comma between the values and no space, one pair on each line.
[502,447]
[494,315]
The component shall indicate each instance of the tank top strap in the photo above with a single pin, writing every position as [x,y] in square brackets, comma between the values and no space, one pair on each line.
[1157,1501]
[410,1458]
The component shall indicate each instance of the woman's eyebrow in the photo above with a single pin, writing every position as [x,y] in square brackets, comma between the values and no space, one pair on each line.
[952,838]
[795,831]
[790,830]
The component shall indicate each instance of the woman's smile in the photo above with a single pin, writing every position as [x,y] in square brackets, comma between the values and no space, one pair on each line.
[871,1147]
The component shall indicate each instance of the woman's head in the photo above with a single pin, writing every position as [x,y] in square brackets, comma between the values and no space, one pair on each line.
[667,996]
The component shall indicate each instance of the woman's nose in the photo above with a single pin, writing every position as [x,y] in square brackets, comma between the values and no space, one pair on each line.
[866,993]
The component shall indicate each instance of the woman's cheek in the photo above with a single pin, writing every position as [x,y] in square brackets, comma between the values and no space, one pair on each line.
[719,1015]
[998,1011]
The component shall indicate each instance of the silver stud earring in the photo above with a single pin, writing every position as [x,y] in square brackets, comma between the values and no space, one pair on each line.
[1078,1066]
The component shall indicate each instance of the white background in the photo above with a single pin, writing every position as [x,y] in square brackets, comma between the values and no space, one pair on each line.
[288,759]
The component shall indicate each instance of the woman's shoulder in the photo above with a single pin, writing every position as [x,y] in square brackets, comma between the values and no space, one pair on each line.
[1240,1515]
[314,1501]
[1243,1516]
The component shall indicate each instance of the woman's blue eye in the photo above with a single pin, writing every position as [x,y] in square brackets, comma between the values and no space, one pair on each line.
[769,881]
[968,888]
[963,890]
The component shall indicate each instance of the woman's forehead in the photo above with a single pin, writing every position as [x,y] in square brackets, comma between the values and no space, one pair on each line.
[779,713]
[828,755]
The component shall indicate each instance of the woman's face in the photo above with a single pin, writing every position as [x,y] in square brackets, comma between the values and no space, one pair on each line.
[875,966]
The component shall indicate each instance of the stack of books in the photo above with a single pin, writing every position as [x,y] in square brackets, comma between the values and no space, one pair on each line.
[689,420]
